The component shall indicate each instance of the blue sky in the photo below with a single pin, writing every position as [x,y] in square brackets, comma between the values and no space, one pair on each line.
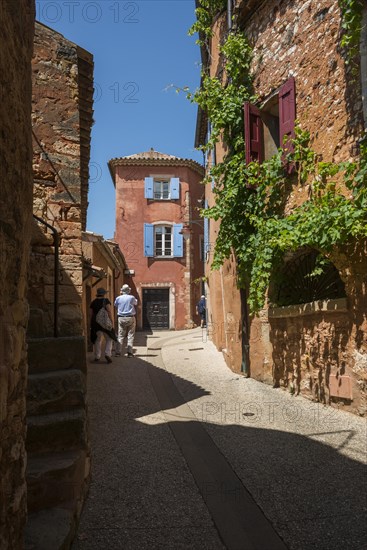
[140,48]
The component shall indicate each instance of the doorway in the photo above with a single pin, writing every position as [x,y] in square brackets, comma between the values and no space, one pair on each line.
[155,308]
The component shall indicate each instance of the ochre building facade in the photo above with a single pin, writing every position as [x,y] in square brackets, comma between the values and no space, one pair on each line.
[317,348]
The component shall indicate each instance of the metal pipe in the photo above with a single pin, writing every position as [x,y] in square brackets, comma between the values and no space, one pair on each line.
[229,14]
[56,272]
[245,337]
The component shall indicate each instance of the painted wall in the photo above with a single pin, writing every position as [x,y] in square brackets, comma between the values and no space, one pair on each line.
[133,210]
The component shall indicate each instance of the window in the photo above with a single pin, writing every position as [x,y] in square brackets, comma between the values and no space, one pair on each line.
[163,240]
[307,277]
[272,126]
[161,188]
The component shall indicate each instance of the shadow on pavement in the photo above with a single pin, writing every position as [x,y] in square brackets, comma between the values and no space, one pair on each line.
[143,496]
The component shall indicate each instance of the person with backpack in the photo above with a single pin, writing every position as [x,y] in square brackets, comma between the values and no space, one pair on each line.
[97,331]
[201,310]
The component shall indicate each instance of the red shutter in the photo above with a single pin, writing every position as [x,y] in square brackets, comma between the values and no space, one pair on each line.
[253,133]
[287,113]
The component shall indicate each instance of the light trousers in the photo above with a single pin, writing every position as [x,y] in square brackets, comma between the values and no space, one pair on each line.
[126,328]
[98,345]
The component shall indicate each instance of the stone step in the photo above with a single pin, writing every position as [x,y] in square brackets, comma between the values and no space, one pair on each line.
[36,323]
[62,431]
[54,479]
[52,529]
[55,391]
[50,354]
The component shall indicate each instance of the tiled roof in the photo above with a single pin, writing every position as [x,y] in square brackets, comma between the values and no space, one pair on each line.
[151,154]
[154,158]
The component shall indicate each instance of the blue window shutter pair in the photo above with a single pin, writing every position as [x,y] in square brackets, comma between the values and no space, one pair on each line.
[174,185]
[149,240]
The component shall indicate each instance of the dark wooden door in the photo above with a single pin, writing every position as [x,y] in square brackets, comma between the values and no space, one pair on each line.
[156,308]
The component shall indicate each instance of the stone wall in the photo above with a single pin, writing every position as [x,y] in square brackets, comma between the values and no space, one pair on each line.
[16,31]
[62,119]
[329,105]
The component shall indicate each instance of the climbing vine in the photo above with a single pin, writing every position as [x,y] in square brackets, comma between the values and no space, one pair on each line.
[250,199]
[352,24]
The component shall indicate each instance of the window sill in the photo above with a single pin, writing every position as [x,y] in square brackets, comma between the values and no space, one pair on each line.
[322,306]
[161,200]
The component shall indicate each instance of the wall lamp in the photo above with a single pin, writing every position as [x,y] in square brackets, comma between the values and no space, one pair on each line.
[186,230]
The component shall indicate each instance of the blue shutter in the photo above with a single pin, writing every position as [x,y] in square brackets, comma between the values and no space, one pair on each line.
[206,233]
[148,240]
[177,240]
[175,188]
[148,188]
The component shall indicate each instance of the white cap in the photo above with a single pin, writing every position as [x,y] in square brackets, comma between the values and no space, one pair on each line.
[125,289]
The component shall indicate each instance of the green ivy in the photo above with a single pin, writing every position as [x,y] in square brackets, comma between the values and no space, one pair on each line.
[351,11]
[250,200]
[205,13]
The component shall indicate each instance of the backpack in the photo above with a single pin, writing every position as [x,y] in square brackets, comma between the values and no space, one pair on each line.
[103,319]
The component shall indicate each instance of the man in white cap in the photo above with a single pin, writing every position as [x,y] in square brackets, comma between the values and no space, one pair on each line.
[125,304]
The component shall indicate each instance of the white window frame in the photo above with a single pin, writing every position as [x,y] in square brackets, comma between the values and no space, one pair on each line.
[164,238]
[159,195]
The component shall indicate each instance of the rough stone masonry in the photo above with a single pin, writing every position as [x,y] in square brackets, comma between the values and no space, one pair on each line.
[16,36]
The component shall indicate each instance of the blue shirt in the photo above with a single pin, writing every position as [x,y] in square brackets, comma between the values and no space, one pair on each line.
[126,305]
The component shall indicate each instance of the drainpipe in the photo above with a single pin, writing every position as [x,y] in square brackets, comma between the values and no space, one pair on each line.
[229,14]
[56,272]
[245,338]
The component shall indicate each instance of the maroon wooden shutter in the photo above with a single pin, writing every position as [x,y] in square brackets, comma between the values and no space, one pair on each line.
[287,114]
[253,133]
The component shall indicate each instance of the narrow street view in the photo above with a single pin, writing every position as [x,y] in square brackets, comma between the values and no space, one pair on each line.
[183,267]
[188,454]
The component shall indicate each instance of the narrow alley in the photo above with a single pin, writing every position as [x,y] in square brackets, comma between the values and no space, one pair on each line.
[187,454]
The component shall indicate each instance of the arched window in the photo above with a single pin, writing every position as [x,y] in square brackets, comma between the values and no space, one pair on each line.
[307,277]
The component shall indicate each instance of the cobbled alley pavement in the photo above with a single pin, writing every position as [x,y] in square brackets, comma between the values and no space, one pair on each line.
[188,455]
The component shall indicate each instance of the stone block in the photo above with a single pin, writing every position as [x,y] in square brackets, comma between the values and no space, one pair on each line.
[48,529]
[55,391]
[57,432]
[55,479]
[50,354]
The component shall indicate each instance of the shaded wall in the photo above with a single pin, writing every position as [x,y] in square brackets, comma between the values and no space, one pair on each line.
[62,119]
[16,31]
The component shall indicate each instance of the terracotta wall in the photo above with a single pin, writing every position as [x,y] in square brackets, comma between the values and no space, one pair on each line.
[16,30]
[133,210]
